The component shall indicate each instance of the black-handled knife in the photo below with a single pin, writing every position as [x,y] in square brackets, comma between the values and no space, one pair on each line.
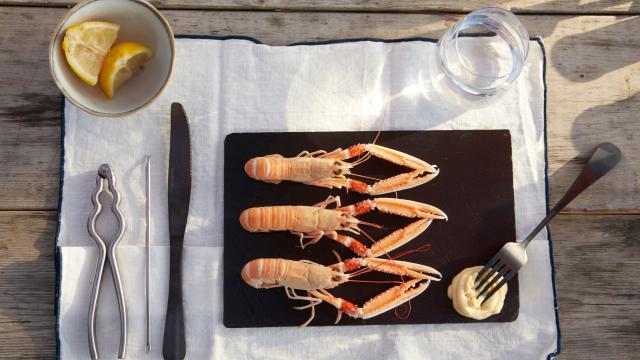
[174,345]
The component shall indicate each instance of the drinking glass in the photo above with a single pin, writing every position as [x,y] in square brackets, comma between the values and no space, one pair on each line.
[484,52]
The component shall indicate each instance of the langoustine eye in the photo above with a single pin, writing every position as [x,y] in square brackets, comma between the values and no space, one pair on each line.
[337,171]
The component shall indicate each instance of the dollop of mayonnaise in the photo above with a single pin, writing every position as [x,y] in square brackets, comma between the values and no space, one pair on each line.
[462,293]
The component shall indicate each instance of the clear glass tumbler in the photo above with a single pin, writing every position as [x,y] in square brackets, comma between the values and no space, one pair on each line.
[485,51]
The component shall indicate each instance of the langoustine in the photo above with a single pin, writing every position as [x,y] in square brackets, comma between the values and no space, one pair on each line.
[315,279]
[314,222]
[330,169]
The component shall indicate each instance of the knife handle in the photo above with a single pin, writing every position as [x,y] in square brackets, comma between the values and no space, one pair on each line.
[174,346]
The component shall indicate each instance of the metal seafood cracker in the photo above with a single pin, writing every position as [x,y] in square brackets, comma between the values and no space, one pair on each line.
[106,181]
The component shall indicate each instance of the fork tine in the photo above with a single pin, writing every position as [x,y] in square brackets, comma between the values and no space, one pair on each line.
[492,270]
[488,275]
[495,289]
[487,267]
[498,276]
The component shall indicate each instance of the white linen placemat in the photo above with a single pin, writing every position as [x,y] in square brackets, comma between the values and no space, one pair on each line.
[238,85]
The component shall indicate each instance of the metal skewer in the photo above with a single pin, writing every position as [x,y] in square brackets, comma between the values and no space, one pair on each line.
[148,251]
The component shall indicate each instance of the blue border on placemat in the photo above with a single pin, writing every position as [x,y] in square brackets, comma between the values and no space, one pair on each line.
[58,253]
[546,190]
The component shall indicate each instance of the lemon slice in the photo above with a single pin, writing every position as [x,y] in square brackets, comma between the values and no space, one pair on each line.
[120,64]
[85,46]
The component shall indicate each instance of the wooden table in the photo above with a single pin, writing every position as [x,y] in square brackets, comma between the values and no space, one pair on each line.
[593,79]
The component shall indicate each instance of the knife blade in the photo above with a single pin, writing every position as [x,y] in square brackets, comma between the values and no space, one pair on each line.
[174,345]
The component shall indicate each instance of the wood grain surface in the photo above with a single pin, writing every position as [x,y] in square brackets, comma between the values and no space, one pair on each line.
[519,6]
[598,273]
[27,284]
[597,264]
[593,78]
[593,86]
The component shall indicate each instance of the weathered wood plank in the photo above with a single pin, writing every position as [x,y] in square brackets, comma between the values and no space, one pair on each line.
[592,80]
[29,111]
[593,96]
[598,274]
[27,285]
[597,263]
[518,6]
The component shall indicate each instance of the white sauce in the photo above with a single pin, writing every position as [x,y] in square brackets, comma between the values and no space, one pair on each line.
[462,293]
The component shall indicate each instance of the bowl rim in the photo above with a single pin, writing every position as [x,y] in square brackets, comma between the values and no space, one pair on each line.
[57,32]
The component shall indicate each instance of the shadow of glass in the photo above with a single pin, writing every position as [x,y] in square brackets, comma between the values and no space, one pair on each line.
[583,6]
[590,55]
[594,126]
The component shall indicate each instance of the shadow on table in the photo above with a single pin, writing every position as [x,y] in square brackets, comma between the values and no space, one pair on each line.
[588,131]
[589,124]
[583,6]
[29,296]
[586,67]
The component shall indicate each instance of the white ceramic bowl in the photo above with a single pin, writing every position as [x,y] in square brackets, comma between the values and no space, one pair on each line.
[140,22]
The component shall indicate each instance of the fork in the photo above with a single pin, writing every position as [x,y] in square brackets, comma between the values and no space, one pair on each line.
[509,260]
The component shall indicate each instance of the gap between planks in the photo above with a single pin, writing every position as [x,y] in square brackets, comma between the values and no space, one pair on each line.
[354,10]
[598,316]
[586,56]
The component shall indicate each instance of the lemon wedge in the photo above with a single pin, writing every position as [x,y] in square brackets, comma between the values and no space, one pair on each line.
[120,64]
[85,46]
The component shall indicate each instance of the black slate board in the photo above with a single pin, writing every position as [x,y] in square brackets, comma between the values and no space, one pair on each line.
[474,188]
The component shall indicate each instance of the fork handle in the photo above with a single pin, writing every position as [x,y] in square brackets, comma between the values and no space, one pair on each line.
[604,158]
